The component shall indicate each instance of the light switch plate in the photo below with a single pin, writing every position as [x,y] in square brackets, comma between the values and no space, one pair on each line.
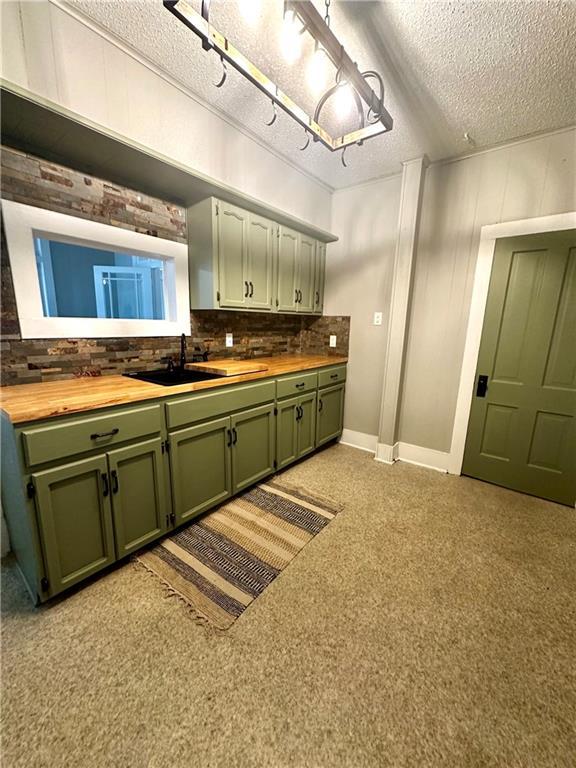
[332,340]
[229,340]
[377,318]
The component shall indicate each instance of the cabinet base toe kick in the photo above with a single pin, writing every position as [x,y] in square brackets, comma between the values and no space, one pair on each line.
[82,493]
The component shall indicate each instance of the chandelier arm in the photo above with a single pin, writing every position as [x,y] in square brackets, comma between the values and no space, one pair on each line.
[222,80]
[274,116]
[307,141]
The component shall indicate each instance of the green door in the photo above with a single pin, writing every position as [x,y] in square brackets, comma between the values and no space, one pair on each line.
[75,519]
[139,505]
[287,431]
[306,423]
[521,432]
[253,445]
[306,274]
[330,413]
[201,467]
[261,241]
[320,277]
[232,227]
[287,269]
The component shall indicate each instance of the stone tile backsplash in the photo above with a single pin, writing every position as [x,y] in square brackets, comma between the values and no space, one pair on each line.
[29,180]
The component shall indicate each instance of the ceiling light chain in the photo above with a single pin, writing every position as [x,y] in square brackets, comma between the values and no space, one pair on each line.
[327,15]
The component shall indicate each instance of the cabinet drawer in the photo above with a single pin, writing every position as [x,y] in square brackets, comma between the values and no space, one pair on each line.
[187,410]
[294,385]
[332,376]
[55,441]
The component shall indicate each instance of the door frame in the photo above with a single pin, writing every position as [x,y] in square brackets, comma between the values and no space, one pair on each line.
[489,234]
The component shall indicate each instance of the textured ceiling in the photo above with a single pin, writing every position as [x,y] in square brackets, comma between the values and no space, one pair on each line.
[496,70]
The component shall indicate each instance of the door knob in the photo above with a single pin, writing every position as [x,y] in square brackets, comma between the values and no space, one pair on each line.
[482,386]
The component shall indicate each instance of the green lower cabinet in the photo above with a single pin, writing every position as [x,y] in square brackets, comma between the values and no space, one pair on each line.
[253,445]
[330,413]
[296,428]
[75,519]
[201,467]
[287,431]
[139,503]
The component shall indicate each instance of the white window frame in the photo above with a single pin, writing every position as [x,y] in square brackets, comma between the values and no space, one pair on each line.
[24,222]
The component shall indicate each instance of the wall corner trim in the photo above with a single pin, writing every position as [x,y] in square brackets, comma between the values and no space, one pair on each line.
[387,454]
[413,454]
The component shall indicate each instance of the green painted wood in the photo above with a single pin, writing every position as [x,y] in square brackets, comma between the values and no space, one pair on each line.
[306,273]
[75,519]
[295,385]
[187,410]
[287,431]
[307,424]
[59,440]
[522,434]
[287,271]
[254,446]
[319,278]
[261,244]
[201,467]
[139,499]
[330,414]
[232,227]
[330,376]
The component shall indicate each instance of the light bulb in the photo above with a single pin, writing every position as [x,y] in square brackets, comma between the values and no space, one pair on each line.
[343,101]
[291,39]
[250,10]
[317,71]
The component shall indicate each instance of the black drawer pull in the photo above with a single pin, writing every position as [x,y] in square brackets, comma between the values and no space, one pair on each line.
[115,483]
[320,405]
[229,443]
[235,440]
[98,435]
[299,386]
[246,289]
[333,375]
[317,298]
[251,289]
[105,488]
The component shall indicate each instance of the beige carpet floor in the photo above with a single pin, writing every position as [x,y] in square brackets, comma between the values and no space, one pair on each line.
[437,628]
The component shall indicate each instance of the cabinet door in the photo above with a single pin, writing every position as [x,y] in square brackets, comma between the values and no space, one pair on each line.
[330,413]
[201,469]
[75,519]
[288,248]
[138,493]
[287,431]
[253,445]
[232,255]
[320,277]
[307,424]
[261,241]
[306,274]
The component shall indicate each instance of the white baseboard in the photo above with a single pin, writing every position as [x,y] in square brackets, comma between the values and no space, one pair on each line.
[413,454]
[361,440]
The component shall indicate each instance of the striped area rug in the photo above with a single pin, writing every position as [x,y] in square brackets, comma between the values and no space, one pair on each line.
[220,563]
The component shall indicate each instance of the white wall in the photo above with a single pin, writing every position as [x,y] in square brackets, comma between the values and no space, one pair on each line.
[54,55]
[358,283]
[521,180]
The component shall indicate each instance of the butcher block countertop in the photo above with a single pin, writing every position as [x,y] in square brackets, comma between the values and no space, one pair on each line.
[30,402]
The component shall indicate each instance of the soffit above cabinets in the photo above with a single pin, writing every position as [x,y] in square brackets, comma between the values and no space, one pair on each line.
[496,71]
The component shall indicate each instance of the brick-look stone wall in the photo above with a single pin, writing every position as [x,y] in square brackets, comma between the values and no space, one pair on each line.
[29,180]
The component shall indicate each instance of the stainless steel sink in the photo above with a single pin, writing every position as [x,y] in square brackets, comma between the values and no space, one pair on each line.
[167,378]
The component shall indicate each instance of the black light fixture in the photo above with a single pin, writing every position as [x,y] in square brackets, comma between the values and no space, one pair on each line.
[373,118]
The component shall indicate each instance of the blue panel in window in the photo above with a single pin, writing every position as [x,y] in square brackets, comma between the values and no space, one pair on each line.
[84,281]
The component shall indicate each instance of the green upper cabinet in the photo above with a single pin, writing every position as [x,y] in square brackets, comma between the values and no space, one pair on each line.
[261,244]
[306,274]
[233,284]
[241,260]
[319,278]
[75,520]
[288,250]
[139,502]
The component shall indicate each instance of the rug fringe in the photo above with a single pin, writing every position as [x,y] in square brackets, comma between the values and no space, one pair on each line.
[198,618]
